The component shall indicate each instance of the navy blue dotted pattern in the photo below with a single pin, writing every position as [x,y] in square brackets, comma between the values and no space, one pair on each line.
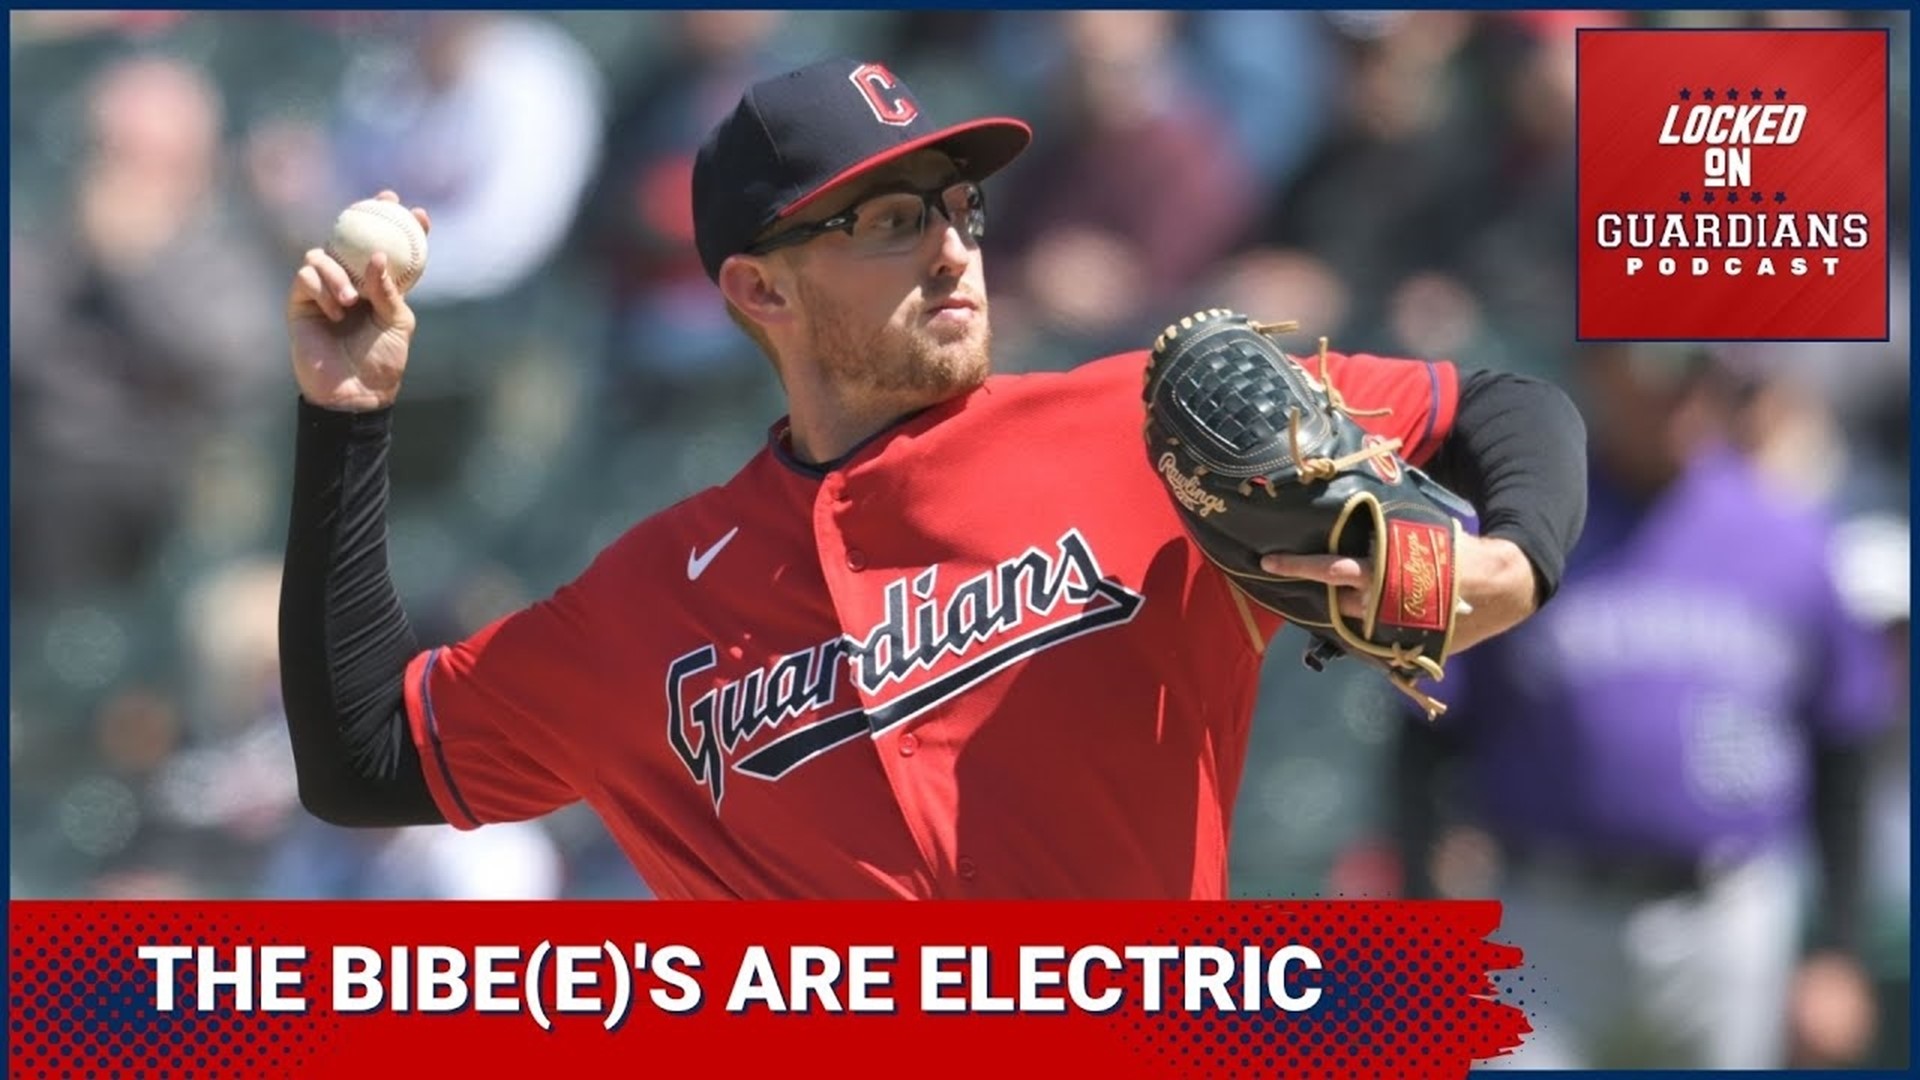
[83,1006]
[1405,992]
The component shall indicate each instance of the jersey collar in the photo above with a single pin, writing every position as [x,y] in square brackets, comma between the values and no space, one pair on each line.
[781,446]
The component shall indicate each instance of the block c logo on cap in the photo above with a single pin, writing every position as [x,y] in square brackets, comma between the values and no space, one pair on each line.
[885,96]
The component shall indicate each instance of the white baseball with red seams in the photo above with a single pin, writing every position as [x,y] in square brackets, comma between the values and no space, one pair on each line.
[372,225]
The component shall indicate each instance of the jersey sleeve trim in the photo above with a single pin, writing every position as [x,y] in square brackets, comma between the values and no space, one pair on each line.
[1433,414]
[1443,380]
[426,735]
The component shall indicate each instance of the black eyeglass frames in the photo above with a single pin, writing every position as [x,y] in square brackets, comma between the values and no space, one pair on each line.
[893,222]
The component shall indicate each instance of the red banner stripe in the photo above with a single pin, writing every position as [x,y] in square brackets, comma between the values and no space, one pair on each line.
[1321,988]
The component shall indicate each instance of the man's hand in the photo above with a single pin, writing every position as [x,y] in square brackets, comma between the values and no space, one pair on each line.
[1494,579]
[349,345]
[1831,1013]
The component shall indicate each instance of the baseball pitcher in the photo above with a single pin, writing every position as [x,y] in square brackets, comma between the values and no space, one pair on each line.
[948,634]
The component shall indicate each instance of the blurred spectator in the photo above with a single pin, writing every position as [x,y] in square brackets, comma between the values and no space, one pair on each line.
[144,321]
[1650,754]
[1281,283]
[493,120]
[1275,76]
[669,333]
[226,790]
[1406,177]
[1519,261]
[41,26]
[1873,567]
[1827,425]
[1133,190]
[1828,422]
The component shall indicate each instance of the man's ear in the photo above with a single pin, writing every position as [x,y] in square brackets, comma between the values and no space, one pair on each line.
[752,285]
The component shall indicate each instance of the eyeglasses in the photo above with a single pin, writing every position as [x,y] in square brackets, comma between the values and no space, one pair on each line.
[892,223]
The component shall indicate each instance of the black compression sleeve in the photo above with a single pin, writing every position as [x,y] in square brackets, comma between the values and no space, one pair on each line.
[1840,780]
[344,638]
[1518,453]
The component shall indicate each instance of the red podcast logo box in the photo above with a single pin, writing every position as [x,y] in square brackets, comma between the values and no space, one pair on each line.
[1733,184]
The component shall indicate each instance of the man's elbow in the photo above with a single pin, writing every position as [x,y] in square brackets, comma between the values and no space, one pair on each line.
[325,802]
[352,802]
[1566,417]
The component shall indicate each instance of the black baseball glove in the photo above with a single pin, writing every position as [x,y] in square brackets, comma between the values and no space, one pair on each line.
[1261,457]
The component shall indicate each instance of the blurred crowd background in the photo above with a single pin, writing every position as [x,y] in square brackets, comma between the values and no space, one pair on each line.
[1402,181]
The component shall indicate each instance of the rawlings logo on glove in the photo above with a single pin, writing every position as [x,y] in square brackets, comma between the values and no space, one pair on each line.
[1261,458]
[1190,492]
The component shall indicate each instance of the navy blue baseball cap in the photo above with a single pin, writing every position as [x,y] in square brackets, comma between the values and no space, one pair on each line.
[795,135]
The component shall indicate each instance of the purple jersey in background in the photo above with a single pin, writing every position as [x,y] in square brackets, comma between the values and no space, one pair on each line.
[1664,704]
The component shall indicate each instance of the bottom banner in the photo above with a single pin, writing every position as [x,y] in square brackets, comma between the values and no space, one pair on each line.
[1295,988]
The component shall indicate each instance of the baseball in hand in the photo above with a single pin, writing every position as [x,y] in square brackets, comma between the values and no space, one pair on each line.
[372,225]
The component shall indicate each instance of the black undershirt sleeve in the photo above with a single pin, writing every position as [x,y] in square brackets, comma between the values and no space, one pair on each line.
[1840,782]
[1518,453]
[344,638]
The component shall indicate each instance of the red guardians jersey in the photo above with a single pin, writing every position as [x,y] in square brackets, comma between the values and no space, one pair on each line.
[979,657]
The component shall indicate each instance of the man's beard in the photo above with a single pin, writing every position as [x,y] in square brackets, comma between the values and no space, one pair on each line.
[898,365]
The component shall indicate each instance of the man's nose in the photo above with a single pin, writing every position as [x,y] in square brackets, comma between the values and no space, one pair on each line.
[956,250]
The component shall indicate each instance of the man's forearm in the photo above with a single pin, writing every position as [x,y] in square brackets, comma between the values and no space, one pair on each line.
[344,637]
[1518,453]
[1840,779]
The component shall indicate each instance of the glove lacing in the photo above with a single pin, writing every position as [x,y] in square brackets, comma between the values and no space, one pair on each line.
[1401,662]
[1323,469]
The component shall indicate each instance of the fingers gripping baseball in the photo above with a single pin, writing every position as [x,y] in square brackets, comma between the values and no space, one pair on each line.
[349,341]
[389,306]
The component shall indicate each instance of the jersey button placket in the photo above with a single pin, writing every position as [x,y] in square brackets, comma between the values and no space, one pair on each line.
[841,558]
[831,512]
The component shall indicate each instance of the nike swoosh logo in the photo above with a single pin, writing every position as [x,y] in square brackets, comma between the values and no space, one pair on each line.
[697,561]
